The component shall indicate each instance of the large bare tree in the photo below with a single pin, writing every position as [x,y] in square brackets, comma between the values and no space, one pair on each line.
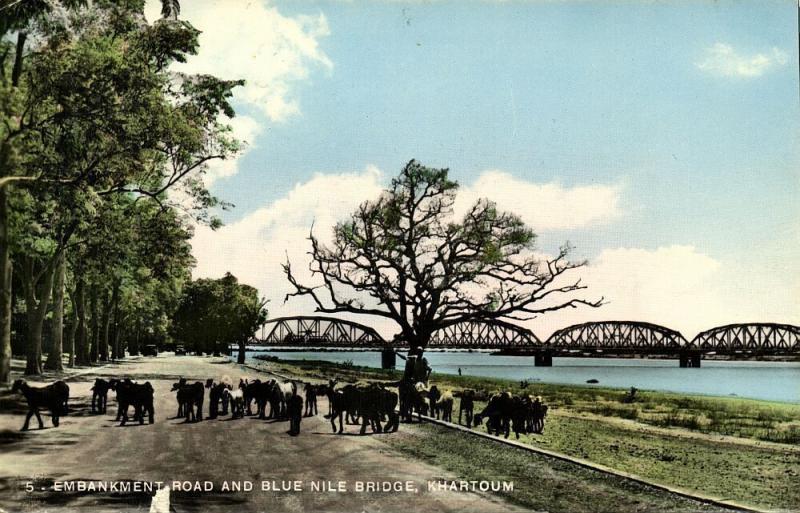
[405,257]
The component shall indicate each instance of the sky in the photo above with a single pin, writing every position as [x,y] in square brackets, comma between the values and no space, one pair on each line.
[662,139]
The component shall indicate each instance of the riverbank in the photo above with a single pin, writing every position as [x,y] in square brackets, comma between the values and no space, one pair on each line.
[745,450]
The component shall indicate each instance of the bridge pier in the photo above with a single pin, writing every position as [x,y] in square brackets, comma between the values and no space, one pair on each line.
[388,358]
[689,360]
[543,359]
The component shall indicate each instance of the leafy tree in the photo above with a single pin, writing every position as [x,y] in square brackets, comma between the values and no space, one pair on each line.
[215,314]
[404,257]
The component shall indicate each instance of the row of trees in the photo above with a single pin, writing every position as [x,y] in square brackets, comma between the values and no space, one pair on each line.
[102,153]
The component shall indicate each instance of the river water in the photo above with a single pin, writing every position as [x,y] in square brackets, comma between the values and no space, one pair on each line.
[772,381]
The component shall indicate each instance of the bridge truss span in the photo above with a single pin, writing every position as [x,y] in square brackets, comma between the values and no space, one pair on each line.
[493,334]
[753,338]
[318,331]
[618,336]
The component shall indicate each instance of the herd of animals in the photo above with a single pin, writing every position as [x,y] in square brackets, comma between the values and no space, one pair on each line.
[372,405]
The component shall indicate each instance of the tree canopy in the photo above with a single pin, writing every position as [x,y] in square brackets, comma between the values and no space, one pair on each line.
[215,314]
[406,258]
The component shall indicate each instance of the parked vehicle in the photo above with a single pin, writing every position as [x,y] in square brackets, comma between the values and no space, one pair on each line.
[180,350]
[150,350]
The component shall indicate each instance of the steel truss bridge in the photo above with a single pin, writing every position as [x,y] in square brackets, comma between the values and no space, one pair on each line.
[318,331]
[755,338]
[607,337]
[485,335]
[619,336]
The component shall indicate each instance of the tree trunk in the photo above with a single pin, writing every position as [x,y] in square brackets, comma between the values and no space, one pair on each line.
[54,358]
[5,290]
[73,329]
[6,268]
[33,366]
[105,326]
[82,348]
[118,343]
[134,348]
[16,70]
[36,311]
[242,349]
[95,353]
[114,321]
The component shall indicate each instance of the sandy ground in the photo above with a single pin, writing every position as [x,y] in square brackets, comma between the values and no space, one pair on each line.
[92,447]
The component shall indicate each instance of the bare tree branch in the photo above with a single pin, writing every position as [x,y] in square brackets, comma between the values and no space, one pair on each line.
[426,270]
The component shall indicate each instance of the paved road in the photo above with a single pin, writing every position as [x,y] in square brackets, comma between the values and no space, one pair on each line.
[91,447]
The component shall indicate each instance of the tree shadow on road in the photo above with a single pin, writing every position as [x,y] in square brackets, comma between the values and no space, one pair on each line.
[27,442]
[81,408]
[8,436]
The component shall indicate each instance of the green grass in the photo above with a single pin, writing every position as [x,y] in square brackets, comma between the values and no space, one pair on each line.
[593,423]
[540,483]
[762,475]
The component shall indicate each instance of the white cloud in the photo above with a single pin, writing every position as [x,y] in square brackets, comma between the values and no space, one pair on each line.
[254,41]
[680,288]
[246,129]
[254,247]
[545,207]
[723,60]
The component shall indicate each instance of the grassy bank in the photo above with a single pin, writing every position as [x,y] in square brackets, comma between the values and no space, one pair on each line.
[741,449]
[540,483]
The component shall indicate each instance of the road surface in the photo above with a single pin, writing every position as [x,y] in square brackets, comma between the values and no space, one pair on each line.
[93,449]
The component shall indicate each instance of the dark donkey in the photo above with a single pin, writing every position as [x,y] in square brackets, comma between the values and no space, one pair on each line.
[466,406]
[216,395]
[498,413]
[136,395]
[100,395]
[54,397]
[190,399]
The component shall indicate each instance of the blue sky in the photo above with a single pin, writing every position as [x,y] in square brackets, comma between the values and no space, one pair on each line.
[689,109]
[573,92]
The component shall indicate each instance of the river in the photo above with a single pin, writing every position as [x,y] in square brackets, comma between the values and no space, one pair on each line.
[771,381]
